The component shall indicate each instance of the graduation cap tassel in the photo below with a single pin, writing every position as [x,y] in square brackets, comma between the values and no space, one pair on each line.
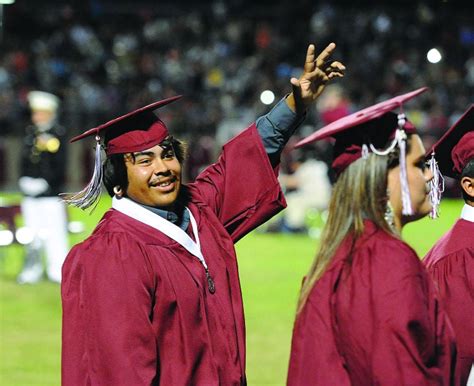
[401,138]
[365,151]
[436,187]
[406,202]
[89,196]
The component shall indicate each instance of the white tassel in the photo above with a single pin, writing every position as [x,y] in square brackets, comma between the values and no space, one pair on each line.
[405,190]
[90,195]
[436,187]
[365,151]
[401,138]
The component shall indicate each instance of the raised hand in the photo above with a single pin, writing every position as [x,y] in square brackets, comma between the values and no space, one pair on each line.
[318,71]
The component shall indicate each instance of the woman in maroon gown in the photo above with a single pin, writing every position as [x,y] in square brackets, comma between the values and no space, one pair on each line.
[368,313]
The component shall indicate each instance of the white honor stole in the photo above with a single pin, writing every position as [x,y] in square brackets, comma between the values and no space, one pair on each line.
[145,216]
[467,213]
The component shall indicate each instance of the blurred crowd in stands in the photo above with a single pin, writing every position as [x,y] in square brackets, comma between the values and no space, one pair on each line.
[105,58]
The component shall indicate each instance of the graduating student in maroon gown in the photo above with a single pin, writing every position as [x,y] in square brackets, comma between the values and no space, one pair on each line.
[451,260]
[368,312]
[153,297]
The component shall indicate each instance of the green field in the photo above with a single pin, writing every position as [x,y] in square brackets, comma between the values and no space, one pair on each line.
[271,269]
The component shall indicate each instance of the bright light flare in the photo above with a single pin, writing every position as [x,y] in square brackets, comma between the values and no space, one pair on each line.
[76,227]
[6,237]
[267,97]
[24,235]
[434,56]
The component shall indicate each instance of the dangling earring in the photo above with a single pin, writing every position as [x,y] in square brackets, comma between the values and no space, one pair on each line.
[389,216]
[118,191]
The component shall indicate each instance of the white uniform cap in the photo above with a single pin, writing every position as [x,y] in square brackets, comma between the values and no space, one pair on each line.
[40,100]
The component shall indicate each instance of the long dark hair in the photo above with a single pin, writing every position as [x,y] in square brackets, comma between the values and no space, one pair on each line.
[359,193]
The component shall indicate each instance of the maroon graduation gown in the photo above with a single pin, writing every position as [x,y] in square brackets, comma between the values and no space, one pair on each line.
[451,265]
[372,319]
[136,305]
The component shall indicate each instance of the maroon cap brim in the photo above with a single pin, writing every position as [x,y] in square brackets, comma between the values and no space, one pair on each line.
[360,117]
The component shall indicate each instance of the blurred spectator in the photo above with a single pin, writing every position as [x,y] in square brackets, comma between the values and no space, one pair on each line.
[201,156]
[105,57]
[333,104]
[306,181]
[307,188]
[3,166]
[42,178]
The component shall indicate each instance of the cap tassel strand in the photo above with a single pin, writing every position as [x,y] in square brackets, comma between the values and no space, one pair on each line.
[401,138]
[436,187]
[90,195]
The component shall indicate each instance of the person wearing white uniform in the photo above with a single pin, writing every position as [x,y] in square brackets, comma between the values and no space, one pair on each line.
[309,189]
[42,177]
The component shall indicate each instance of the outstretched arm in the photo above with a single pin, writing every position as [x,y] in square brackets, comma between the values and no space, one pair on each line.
[241,187]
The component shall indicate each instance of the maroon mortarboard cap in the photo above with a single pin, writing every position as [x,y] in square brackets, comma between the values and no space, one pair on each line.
[455,148]
[135,131]
[374,129]
[373,126]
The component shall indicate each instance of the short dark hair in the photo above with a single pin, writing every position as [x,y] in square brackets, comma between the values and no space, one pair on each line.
[468,171]
[115,171]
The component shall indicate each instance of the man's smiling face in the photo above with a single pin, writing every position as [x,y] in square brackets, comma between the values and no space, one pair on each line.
[154,175]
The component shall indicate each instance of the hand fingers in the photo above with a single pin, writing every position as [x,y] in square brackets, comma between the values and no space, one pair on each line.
[334,71]
[310,53]
[295,82]
[324,77]
[320,76]
[325,54]
[333,75]
[309,62]
[334,66]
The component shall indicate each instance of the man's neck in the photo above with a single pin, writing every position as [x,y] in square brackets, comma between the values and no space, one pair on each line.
[175,214]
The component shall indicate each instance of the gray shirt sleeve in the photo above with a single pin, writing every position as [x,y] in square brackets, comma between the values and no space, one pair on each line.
[276,128]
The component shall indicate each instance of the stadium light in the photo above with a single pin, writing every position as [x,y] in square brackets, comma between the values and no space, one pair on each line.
[6,2]
[267,97]
[434,56]
[24,235]
[6,237]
